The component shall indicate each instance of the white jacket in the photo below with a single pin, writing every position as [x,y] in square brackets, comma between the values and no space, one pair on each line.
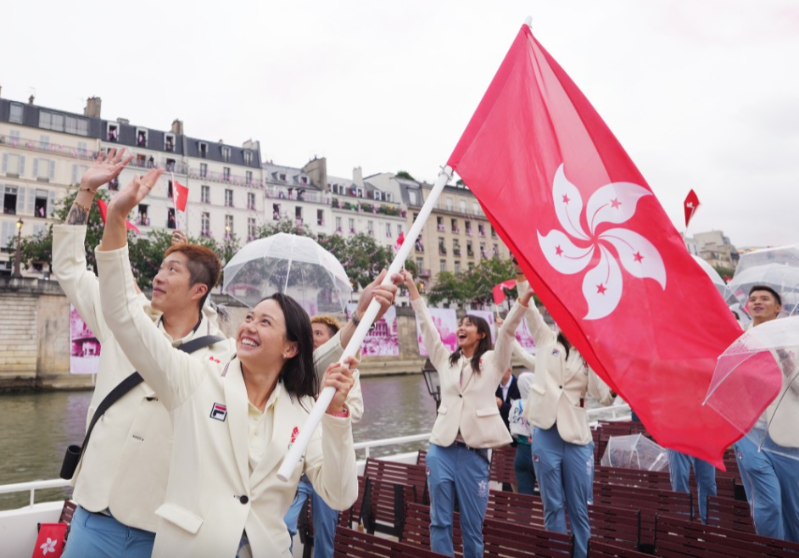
[130,445]
[211,497]
[469,407]
[560,386]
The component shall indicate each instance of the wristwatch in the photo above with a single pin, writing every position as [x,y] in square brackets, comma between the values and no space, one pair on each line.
[355,319]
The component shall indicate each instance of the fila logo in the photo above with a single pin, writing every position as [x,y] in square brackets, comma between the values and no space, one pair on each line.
[219,412]
[216,360]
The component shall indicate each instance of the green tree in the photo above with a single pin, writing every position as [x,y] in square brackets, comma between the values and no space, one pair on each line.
[362,257]
[285,225]
[448,289]
[479,281]
[405,175]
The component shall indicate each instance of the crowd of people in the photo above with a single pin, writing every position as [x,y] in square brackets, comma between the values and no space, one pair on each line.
[189,427]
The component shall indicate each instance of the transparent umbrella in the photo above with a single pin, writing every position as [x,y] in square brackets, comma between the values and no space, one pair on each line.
[713,274]
[289,264]
[755,387]
[776,267]
[635,452]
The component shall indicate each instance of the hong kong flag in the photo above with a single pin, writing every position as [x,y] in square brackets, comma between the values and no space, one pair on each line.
[598,248]
[690,205]
[180,195]
[499,290]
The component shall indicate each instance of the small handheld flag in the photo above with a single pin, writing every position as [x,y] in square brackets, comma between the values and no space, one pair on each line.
[103,207]
[690,206]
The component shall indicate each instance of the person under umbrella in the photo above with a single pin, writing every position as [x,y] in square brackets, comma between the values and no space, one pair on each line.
[770,480]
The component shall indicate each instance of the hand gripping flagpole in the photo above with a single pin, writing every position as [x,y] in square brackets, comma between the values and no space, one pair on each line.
[318,411]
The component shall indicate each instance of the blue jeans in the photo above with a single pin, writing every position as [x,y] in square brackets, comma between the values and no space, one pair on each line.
[451,470]
[565,472]
[325,519]
[680,470]
[94,535]
[525,472]
[772,490]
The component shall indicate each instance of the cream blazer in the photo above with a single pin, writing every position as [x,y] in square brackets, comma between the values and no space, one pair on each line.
[469,407]
[559,389]
[130,445]
[211,497]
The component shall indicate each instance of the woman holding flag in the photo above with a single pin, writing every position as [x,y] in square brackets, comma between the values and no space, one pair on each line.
[468,422]
[563,450]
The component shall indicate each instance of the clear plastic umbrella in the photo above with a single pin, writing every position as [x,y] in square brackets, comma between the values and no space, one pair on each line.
[290,264]
[777,268]
[713,274]
[755,387]
[635,452]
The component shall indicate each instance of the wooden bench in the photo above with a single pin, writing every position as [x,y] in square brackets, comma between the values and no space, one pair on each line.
[597,548]
[508,540]
[402,473]
[649,502]
[417,528]
[384,506]
[354,544]
[502,470]
[729,513]
[421,459]
[620,526]
[677,538]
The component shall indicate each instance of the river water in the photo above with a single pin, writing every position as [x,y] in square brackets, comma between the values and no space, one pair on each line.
[35,429]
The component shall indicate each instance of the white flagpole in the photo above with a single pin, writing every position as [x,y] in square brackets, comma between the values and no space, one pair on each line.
[298,449]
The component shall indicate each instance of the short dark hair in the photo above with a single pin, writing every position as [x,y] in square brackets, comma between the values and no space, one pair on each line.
[766,288]
[331,323]
[203,263]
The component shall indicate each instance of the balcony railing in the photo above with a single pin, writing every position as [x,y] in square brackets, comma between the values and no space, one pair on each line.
[424,273]
[456,252]
[48,147]
[442,251]
[442,228]
[274,192]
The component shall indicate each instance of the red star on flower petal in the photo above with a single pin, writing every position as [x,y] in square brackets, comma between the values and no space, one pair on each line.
[638,257]
[566,198]
[558,250]
[600,289]
[615,203]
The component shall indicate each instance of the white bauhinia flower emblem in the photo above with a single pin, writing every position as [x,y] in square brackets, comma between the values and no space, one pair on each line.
[571,251]
[48,546]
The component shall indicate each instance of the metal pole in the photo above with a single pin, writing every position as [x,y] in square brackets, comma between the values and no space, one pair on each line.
[18,254]
[310,426]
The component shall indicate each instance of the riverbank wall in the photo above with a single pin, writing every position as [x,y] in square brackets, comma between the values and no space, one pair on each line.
[35,344]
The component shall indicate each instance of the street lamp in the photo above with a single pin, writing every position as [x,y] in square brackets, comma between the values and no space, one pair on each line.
[433,381]
[18,255]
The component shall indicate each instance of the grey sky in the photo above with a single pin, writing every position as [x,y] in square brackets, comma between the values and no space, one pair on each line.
[701,93]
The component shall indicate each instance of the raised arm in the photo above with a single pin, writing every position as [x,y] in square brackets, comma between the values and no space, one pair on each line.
[173,375]
[539,329]
[384,294]
[503,348]
[430,337]
[599,390]
[520,352]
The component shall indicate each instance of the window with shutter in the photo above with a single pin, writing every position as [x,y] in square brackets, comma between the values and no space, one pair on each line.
[20,200]
[51,203]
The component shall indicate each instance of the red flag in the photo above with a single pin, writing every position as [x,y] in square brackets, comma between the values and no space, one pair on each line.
[400,240]
[103,207]
[598,248]
[180,195]
[50,542]
[690,206]
[499,290]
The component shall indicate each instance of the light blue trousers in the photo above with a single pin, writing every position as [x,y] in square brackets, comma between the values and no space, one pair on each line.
[680,471]
[94,535]
[325,519]
[771,482]
[451,470]
[565,474]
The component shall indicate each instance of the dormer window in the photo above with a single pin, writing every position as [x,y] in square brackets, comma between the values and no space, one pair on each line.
[203,149]
[169,143]
[112,133]
[282,176]
[304,180]
[389,197]
[247,157]
[141,137]
[378,197]
[225,153]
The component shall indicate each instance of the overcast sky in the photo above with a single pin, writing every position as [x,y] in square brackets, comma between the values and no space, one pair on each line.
[703,94]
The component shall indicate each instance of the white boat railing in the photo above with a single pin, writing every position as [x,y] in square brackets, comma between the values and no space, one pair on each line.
[33,486]
[614,412]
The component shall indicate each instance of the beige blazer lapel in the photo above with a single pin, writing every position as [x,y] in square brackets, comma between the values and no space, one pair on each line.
[236,402]
[282,431]
[466,367]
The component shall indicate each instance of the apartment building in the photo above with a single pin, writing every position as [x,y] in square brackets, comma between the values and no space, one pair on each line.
[290,194]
